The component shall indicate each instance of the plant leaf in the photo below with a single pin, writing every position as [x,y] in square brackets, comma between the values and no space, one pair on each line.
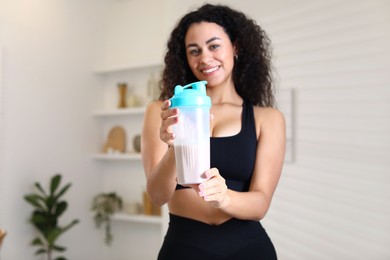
[60,258]
[43,221]
[39,218]
[53,235]
[34,199]
[61,207]
[63,190]
[37,242]
[74,222]
[40,251]
[50,202]
[59,248]
[55,182]
[39,187]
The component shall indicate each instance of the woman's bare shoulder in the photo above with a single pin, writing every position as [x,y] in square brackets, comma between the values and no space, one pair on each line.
[152,114]
[154,105]
[267,112]
[268,116]
[153,110]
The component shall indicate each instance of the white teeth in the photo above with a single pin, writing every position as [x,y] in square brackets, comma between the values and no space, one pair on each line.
[210,70]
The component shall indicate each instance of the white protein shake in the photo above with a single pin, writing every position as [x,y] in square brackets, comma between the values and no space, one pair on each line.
[192,141]
[191,163]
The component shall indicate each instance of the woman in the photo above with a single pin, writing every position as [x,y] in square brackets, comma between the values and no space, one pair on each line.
[219,218]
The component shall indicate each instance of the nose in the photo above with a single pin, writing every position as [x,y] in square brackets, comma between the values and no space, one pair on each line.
[205,57]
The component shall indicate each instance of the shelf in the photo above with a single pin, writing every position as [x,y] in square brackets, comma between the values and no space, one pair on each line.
[137,218]
[128,67]
[120,112]
[117,157]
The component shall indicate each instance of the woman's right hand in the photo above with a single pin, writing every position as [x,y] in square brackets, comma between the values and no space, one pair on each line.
[169,117]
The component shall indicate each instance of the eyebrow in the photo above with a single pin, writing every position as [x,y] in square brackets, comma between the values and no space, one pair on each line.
[207,42]
[212,39]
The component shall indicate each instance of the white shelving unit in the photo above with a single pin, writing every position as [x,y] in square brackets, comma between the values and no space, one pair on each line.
[117,157]
[138,218]
[119,112]
[123,172]
[125,68]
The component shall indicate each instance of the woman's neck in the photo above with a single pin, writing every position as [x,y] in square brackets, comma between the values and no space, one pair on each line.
[224,94]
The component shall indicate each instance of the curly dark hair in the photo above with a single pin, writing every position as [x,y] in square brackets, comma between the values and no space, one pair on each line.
[252,74]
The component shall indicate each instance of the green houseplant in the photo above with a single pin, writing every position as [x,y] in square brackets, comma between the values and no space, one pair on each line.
[103,206]
[48,207]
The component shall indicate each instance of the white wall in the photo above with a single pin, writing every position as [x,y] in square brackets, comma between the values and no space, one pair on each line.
[332,200]
[48,93]
[134,35]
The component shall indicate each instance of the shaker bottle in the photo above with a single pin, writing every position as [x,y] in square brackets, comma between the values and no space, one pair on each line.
[192,141]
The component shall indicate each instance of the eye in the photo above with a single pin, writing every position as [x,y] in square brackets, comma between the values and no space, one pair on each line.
[194,51]
[214,46]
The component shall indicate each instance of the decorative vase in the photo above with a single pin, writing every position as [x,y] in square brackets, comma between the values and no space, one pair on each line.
[122,87]
[137,143]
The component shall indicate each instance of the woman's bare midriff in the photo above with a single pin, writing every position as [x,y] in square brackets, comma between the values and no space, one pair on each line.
[187,203]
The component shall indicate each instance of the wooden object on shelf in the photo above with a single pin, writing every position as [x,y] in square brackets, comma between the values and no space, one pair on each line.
[2,235]
[132,208]
[116,140]
[137,143]
[122,87]
[150,209]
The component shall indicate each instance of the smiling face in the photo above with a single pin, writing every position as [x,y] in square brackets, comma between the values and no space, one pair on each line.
[210,53]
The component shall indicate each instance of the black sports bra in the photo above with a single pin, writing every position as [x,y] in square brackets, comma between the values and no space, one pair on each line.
[234,156]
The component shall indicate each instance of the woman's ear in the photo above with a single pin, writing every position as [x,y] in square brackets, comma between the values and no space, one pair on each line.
[235,51]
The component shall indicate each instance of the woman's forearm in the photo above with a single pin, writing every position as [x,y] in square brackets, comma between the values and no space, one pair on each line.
[252,205]
[161,180]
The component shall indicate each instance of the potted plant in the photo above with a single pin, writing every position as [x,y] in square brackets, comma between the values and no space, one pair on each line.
[48,207]
[103,206]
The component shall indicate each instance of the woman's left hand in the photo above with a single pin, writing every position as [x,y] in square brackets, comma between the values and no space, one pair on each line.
[214,190]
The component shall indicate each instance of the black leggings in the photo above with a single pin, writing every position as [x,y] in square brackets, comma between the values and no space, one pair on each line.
[188,239]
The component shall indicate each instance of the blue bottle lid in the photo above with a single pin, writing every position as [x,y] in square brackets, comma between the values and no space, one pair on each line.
[191,95]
